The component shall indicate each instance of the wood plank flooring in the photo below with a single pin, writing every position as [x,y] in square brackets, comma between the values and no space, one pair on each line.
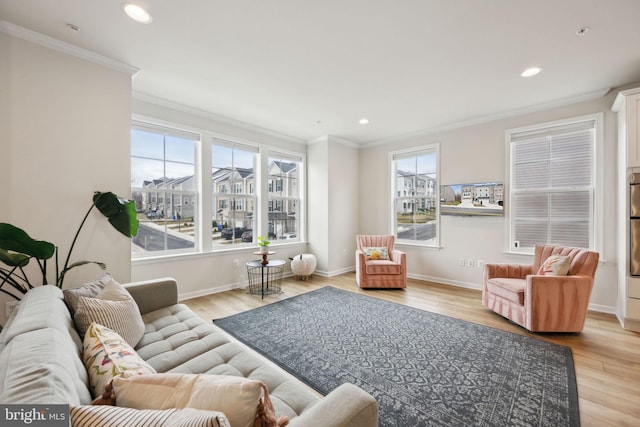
[607,357]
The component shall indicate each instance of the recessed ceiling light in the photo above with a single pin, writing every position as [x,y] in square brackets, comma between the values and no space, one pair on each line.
[137,13]
[531,72]
[363,121]
[582,31]
[73,28]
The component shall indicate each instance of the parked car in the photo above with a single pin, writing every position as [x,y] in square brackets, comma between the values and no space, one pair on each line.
[232,233]
[247,236]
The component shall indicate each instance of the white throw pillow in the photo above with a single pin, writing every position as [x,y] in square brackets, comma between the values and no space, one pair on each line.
[113,307]
[555,265]
[237,397]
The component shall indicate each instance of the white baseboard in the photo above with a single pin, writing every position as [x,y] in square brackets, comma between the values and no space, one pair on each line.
[466,285]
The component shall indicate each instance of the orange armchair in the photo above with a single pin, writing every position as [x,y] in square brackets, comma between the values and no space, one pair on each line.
[539,302]
[377,269]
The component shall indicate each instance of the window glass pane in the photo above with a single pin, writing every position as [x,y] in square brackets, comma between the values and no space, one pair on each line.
[147,144]
[415,203]
[234,202]
[164,191]
[283,216]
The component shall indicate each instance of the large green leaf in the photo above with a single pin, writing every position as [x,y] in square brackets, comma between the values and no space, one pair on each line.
[120,212]
[14,259]
[15,239]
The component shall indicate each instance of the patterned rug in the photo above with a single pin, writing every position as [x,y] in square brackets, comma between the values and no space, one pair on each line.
[424,369]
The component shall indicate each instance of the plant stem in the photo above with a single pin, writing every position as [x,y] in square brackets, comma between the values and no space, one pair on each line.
[73,243]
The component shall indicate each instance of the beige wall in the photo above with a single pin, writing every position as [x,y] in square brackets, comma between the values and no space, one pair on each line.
[477,154]
[318,202]
[343,205]
[68,136]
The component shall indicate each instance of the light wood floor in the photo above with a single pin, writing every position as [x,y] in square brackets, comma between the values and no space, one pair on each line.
[607,357]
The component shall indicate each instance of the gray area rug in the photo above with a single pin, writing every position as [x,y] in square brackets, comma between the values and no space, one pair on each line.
[424,369]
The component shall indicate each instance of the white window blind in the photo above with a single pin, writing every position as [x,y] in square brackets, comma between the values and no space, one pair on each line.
[552,186]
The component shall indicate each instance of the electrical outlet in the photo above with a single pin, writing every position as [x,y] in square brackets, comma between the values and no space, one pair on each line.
[480,263]
[470,262]
[461,262]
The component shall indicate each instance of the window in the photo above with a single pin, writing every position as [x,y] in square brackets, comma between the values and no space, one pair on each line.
[164,188]
[553,194]
[415,187]
[283,176]
[196,192]
[233,176]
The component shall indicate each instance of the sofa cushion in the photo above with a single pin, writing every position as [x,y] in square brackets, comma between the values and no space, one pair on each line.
[114,308]
[90,290]
[107,355]
[555,265]
[42,367]
[377,253]
[179,341]
[114,416]
[382,267]
[41,308]
[237,397]
[507,288]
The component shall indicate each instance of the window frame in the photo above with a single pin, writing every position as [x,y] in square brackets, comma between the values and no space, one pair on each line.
[229,196]
[597,194]
[163,195]
[274,203]
[397,194]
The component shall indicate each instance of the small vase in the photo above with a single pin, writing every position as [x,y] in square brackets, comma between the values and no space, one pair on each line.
[263,249]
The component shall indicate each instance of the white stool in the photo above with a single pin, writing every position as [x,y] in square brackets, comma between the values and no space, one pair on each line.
[303,265]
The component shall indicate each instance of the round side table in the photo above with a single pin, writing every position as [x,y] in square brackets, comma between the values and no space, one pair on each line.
[265,279]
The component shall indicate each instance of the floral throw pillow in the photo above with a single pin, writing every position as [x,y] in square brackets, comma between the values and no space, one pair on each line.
[107,355]
[376,253]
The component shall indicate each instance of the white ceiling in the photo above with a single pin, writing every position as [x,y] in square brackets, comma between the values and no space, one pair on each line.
[307,68]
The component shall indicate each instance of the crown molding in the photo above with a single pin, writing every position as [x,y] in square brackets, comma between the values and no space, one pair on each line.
[166,103]
[64,47]
[335,139]
[493,117]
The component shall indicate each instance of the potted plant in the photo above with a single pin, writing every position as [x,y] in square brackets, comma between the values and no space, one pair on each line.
[263,245]
[17,248]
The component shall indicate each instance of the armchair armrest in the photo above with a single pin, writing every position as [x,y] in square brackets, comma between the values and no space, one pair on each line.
[154,294]
[557,303]
[511,271]
[346,406]
[398,256]
[360,264]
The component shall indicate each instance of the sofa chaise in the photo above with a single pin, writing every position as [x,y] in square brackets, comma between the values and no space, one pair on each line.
[40,358]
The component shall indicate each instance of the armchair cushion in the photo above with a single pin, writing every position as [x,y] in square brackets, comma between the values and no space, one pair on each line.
[383,267]
[509,289]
